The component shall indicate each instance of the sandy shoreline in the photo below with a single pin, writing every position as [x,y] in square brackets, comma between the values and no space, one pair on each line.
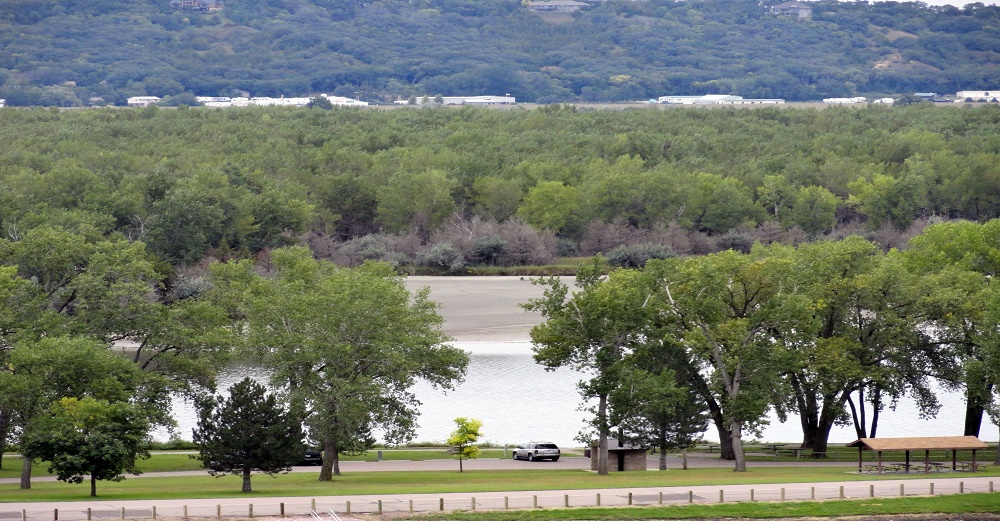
[483,309]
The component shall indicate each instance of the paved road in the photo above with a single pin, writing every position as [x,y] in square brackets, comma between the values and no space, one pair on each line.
[349,506]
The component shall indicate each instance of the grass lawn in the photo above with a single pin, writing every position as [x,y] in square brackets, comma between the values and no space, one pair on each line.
[173,461]
[306,484]
[955,504]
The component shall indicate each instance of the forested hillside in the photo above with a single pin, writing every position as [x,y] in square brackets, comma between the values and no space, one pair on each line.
[65,53]
[446,188]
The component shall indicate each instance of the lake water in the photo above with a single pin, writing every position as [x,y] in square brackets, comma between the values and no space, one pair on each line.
[518,401]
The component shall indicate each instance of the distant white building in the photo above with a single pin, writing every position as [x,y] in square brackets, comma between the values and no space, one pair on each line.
[885,101]
[280,102]
[3,103]
[345,102]
[717,99]
[844,101]
[142,101]
[556,6]
[222,101]
[977,95]
[461,100]
[793,10]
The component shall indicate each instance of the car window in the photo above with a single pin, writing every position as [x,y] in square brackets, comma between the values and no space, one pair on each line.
[547,446]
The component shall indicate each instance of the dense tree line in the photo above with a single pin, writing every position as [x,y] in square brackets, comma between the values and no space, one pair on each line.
[829,330]
[66,53]
[451,188]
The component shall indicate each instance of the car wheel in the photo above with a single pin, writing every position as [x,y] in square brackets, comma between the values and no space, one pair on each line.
[530,457]
[555,458]
[513,456]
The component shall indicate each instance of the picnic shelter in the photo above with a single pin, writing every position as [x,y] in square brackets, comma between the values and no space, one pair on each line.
[926,444]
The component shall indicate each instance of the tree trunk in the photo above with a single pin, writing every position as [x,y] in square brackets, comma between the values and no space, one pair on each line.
[809,414]
[602,445]
[736,428]
[93,486]
[326,472]
[460,464]
[822,439]
[975,406]
[246,480]
[810,429]
[661,439]
[859,426]
[4,434]
[876,408]
[973,418]
[725,437]
[996,459]
[25,473]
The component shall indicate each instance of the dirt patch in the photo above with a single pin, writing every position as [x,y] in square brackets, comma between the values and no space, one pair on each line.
[896,61]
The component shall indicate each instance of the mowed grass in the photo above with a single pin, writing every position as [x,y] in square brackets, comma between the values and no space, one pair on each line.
[304,484]
[950,504]
[174,461]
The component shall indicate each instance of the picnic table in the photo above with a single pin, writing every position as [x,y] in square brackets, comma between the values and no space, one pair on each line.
[968,466]
[774,447]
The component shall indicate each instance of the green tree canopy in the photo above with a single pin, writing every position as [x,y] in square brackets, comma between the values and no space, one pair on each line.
[35,374]
[89,437]
[463,439]
[346,344]
[592,330]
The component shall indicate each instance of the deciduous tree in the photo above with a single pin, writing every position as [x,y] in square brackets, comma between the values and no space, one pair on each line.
[593,331]
[346,344]
[463,439]
[37,373]
[732,314]
[89,437]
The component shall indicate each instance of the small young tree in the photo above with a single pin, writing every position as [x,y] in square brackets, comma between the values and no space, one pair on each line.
[464,439]
[248,431]
[89,437]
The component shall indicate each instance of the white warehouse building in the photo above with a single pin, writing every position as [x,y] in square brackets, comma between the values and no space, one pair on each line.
[461,100]
[716,99]
[977,94]
[142,101]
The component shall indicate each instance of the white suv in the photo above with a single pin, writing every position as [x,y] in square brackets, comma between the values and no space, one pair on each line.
[536,451]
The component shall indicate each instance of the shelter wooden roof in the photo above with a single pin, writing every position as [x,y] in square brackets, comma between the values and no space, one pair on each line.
[921,443]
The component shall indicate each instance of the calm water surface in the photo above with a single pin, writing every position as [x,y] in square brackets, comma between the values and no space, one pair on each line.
[518,401]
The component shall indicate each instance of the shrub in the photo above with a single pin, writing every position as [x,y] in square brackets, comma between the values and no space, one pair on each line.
[488,250]
[567,248]
[525,245]
[442,256]
[735,241]
[636,255]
